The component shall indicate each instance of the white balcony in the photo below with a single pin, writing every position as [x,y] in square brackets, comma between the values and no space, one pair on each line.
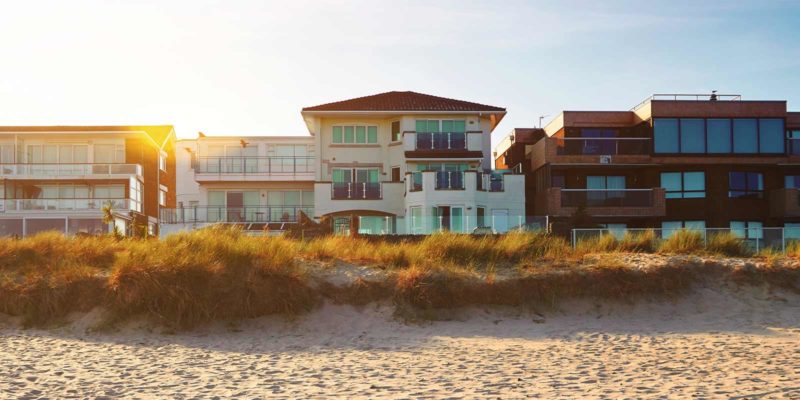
[70,171]
[226,169]
[431,144]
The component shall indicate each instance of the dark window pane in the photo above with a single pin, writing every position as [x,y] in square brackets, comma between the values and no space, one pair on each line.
[738,181]
[693,138]
[771,135]
[665,135]
[745,135]
[719,135]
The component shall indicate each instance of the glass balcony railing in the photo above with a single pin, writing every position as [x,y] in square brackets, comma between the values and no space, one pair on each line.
[607,197]
[254,165]
[450,180]
[356,191]
[70,169]
[602,146]
[244,214]
[441,141]
[64,204]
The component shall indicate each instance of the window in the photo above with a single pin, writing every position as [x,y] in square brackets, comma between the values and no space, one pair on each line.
[62,154]
[430,126]
[416,219]
[481,216]
[791,230]
[356,134]
[792,182]
[693,135]
[162,197]
[670,227]
[747,229]
[162,162]
[684,185]
[395,174]
[665,135]
[771,135]
[395,131]
[109,153]
[135,188]
[719,136]
[745,135]
[746,185]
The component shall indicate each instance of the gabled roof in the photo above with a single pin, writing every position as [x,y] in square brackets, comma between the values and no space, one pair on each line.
[405,101]
[159,133]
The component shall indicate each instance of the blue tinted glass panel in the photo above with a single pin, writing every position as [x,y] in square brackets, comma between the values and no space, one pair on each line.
[671,182]
[719,136]
[745,135]
[755,181]
[792,182]
[694,184]
[771,135]
[665,135]
[737,181]
[693,139]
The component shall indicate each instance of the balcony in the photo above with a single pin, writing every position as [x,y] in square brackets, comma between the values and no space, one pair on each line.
[579,150]
[223,214]
[784,203]
[44,205]
[254,168]
[70,171]
[443,144]
[356,191]
[556,201]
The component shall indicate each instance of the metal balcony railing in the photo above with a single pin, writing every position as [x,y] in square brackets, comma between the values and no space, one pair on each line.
[244,214]
[490,182]
[441,141]
[607,197]
[602,146]
[70,169]
[356,191]
[254,165]
[83,204]
[450,180]
[689,97]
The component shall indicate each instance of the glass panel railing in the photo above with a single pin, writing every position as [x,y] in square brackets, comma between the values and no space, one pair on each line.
[450,180]
[606,198]
[71,169]
[441,141]
[356,190]
[64,204]
[602,146]
[254,165]
[244,214]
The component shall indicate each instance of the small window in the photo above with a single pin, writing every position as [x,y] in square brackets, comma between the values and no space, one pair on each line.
[684,185]
[395,131]
[792,182]
[162,162]
[746,185]
[395,174]
[162,197]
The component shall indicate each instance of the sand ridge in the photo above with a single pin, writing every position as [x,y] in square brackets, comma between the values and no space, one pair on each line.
[719,342]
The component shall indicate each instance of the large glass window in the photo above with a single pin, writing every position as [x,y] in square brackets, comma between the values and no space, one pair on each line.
[665,135]
[792,182]
[745,135]
[719,135]
[746,185]
[771,135]
[747,229]
[693,135]
[684,185]
[360,134]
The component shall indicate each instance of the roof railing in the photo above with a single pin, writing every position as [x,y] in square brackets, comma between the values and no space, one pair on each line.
[689,97]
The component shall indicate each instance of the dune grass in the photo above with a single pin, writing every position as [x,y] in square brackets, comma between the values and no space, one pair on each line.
[219,273]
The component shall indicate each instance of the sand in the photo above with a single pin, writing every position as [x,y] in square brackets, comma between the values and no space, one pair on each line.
[716,343]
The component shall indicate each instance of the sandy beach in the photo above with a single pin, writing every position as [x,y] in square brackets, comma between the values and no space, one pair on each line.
[716,343]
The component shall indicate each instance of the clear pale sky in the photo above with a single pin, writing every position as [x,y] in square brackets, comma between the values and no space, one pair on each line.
[248,67]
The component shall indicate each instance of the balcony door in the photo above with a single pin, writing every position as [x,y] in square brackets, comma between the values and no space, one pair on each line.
[602,188]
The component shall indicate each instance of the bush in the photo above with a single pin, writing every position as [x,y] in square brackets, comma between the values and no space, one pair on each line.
[727,244]
[683,242]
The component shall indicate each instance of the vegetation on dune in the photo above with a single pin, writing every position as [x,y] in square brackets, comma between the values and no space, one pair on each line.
[221,274]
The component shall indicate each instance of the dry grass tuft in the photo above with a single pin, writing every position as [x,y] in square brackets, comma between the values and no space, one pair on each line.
[683,242]
[727,244]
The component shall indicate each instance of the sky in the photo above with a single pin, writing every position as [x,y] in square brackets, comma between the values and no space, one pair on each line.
[248,67]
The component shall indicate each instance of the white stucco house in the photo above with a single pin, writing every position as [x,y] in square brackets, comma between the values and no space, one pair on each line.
[407,162]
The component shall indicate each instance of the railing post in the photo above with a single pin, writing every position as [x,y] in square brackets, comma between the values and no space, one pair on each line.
[364,190]
[449,143]
[349,190]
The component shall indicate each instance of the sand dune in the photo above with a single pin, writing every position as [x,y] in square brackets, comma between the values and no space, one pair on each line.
[716,343]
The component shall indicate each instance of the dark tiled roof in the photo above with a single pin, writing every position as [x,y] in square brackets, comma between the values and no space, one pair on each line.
[403,101]
[158,132]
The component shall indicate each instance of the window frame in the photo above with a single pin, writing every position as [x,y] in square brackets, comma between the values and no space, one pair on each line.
[682,192]
[367,130]
[731,136]
[746,191]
